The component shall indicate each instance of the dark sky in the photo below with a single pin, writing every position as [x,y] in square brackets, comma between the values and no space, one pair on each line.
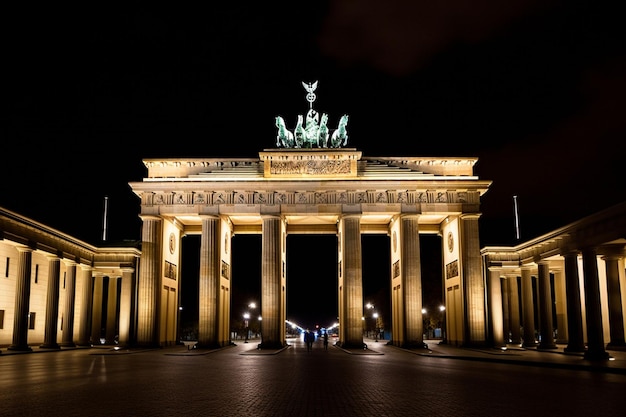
[535,89]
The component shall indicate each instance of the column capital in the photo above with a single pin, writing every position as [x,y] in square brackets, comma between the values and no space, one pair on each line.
[22,248]
[205,216]
[145,217]
[612,251]
[470,216]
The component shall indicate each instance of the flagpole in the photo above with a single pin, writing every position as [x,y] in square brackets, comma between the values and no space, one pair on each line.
[104,222]
[517,234]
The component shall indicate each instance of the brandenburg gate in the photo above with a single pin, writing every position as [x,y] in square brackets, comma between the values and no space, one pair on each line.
[310,183]
[316,190]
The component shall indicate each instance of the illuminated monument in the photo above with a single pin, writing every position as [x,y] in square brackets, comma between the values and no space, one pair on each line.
[567,286]
[311,183]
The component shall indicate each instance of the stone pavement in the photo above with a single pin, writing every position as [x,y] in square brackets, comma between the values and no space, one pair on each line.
[554,358]
[242,381]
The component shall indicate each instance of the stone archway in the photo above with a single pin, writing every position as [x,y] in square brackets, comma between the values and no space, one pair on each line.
[292,191]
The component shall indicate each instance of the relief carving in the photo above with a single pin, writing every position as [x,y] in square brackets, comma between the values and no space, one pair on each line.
[312,167]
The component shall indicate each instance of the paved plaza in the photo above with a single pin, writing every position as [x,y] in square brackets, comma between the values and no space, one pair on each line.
[242,381]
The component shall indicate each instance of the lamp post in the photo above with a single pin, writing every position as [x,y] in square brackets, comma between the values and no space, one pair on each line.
[180,330]
[251,306]
[442,310]
[246,317]
[369,306]
[375,315]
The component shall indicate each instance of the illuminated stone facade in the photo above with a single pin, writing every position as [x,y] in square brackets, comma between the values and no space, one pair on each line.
[333,191]
[52,290]
[567,287]
[573,277]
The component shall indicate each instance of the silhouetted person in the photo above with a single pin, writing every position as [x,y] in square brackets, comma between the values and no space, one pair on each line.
[325,340]
[309,337]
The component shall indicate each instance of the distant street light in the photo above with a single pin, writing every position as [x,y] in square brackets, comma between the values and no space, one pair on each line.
[442,310]
[368,306]
[375,315]
[246,317]
[180,330]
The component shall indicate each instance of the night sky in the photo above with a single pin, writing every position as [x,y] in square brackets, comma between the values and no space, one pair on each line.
[534,89]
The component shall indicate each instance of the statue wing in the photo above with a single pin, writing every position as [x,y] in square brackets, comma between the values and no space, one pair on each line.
[310,87]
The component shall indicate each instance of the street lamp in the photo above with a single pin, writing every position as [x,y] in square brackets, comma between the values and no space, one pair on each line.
[251,306]
[180,330]
[246,317]
[375,315]
[369,306]
[442,310]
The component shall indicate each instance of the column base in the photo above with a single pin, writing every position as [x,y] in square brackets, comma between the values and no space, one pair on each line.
[597,356]
[415,345]
[574,349]
[67,344]
[20,348]
[50,346]
[621,346]
[270,345]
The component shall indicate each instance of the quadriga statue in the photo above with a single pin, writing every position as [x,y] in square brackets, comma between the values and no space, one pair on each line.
[340,136]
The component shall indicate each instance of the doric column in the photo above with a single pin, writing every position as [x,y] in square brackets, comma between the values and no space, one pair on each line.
[506,320]
[84,330]
[208,287]
[111,311]
[52,304]
[473,282]
[495,307]
[411,270]
[560,305]
[528,312]
[352,291]
[149,285]
[22,299]
[595,334]
[272,308]
[546,327]
[614,264]
[576,341]
[516,337]
[67,336]
[126,305]
[96,308]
